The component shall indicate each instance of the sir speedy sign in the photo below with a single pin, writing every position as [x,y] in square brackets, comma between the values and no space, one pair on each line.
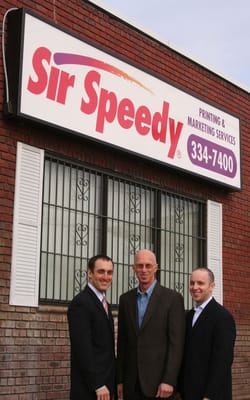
[76,87]
[102,103]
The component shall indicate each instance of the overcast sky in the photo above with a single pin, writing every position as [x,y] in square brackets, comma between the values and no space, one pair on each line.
[216,33]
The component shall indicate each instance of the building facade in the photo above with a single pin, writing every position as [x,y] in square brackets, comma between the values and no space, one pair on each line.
[111,141]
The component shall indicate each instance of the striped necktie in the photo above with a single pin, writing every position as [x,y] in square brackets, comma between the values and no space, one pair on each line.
[105,305]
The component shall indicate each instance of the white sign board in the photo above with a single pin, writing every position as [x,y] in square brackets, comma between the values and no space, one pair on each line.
[72,85]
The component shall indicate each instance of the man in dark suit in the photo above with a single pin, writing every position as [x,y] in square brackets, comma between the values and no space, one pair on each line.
[151,331]
[209,347]
[91,332]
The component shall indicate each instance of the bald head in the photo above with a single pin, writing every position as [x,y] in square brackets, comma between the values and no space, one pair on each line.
[145,253]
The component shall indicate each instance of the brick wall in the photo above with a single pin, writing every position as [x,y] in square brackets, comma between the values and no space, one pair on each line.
[34,354]
[241,364]
[34,345]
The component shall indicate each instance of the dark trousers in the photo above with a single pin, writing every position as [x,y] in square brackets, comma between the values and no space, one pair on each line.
[138,395]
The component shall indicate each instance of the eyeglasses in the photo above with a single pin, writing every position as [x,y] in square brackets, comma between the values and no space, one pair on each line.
[147,266]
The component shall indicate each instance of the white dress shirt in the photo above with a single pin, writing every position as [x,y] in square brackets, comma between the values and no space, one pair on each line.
[198,310]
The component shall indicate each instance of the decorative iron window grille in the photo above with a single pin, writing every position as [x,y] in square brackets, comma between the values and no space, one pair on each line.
[87,212]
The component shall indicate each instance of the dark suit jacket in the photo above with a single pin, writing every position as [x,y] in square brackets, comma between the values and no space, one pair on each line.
[208,356]
[92,346]
[153,352]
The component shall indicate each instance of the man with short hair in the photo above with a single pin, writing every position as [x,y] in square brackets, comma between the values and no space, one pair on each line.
[151,330]
[91,330]
[209,346]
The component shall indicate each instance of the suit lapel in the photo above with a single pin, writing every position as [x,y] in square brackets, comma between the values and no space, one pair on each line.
[132,309]
[204,315]
[153,302]
[99,304]
[190,315]
[94,298]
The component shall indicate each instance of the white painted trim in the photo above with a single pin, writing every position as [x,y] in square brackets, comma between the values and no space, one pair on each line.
[214,246]
[24,285]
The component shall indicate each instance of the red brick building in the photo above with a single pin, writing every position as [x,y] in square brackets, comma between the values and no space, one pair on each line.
[110,141]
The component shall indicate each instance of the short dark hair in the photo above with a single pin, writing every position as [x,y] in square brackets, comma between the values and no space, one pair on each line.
[92,260]
[209,271]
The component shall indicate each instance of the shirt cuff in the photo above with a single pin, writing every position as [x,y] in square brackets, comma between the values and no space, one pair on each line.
[97,390]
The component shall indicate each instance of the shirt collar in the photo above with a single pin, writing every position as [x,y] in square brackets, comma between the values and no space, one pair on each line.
[97,292]
[149,290]
[203,305]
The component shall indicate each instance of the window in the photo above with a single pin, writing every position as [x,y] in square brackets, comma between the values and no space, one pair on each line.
[86,212]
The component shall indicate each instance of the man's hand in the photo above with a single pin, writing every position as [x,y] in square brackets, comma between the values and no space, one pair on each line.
[120,391]
[164,391]
[103,393]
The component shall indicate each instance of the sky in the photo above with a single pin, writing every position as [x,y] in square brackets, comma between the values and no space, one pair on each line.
[216,33]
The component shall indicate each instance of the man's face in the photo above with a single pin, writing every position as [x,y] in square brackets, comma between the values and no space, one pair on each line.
[101,277]
[145,268]
[200,286]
